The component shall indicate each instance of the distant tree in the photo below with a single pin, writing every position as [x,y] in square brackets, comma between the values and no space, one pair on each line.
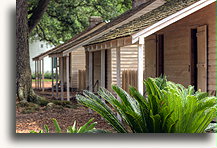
[54,21]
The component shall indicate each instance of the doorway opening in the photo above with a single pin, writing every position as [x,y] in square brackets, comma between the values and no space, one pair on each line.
[194,60]
[160,55]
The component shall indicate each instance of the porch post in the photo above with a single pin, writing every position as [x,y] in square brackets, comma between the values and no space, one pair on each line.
[52,75]
[140,65]
[103,68]
[118,69]
[56,79]
[90,75]
[91,71]
[38,73]
[35,74]
[61,76]
[67,76]
[43,74]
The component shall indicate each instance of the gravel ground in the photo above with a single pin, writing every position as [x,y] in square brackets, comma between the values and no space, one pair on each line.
[65,117]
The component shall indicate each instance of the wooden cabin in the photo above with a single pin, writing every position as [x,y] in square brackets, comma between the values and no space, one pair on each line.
[65,49]
[65,69]
[59,67]
[176,39]
[76,64]
[108,57]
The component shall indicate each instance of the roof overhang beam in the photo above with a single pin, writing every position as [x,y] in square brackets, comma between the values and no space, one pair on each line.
[120,42]
[56,55]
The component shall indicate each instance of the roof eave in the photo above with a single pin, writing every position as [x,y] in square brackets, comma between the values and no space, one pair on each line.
[54,55]
[169,20]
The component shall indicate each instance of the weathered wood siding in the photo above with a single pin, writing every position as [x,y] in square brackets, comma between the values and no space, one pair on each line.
[129,78]
[128,62]
[150,54]
[82,79]
[177,46]
[96,68]
[78,61]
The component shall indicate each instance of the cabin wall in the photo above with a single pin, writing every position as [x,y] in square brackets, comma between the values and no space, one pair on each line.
[78,62]
[128,62]
[96,68]
[177,46]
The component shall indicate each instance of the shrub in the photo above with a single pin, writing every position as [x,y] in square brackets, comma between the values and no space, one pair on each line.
[86,128]
[47,75]
[166,108]
[33,75]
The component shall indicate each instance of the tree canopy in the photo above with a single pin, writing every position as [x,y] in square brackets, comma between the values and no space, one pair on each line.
[65,18]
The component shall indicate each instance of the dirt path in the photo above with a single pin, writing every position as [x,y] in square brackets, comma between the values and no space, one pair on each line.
[46,84]
[65,117]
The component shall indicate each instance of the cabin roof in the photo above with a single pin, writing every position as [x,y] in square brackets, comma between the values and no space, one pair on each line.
[146,20]
[76,37]
[112,23]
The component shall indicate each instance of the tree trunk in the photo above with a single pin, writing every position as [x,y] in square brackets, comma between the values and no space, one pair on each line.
[23,72]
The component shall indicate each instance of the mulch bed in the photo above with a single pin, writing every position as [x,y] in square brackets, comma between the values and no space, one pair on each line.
[65,117]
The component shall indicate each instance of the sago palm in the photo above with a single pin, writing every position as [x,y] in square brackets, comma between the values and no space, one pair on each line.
[166,108]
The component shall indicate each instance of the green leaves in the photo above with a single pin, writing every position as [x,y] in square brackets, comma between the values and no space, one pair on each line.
[64,19]
[183,110]
[57,127]
[166,107]
[86,128]
[95,103]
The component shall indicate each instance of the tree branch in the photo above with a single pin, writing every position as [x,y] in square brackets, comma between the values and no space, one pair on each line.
[44,35]
[37,13]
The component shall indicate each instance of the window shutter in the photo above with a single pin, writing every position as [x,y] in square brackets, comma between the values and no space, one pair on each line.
[202,58]
[150,56]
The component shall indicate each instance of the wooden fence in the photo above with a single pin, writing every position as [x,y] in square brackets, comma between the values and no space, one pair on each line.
[81,79]
[129,77]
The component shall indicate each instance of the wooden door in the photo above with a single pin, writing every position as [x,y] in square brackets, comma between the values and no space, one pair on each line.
[150,56]
[202,58]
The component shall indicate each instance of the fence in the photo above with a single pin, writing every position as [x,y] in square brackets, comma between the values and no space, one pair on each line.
[129,78]
[81,79]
